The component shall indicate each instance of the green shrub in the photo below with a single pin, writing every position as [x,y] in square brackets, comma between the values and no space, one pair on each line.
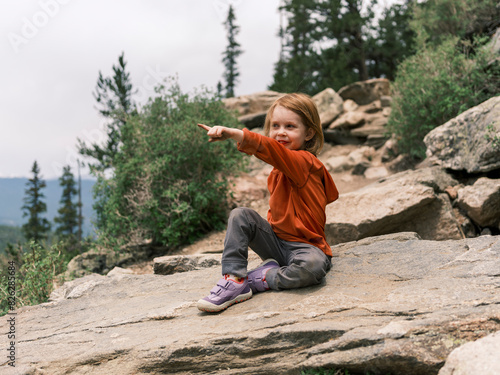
[34,274]
[435,85]
[436,20]
[169,184]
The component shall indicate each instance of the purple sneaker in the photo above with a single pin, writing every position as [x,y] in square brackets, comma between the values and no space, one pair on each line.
[224,294]
[257,277]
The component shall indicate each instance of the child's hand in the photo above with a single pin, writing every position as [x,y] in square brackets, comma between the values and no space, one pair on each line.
[221,133]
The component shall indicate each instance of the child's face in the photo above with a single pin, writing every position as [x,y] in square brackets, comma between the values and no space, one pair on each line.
[287,128]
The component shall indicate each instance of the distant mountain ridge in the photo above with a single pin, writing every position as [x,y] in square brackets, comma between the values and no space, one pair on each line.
[12,193]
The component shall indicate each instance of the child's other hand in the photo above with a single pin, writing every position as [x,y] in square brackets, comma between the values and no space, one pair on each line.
[217,133]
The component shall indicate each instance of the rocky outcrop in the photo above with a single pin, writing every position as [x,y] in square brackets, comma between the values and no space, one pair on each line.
[330,105]
[252,109]
[391,304]
[410,200]
[357,114]
[365,112]
[470,141]
[104,260]
[366,92]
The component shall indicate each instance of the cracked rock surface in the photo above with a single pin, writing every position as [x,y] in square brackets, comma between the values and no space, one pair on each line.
[391,304]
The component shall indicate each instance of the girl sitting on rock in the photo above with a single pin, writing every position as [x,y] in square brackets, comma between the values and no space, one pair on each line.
[292,239]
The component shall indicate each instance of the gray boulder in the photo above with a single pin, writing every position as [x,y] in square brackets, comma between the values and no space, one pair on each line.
[251,104]
[253,120]
[170,264]
[478,357]
[481,201]
[406,201]
[391,304]
[252,109]
[330,105]
[104,260]
[365,92]
[467,142]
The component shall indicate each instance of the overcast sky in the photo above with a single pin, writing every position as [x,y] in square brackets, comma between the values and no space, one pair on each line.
[53,50]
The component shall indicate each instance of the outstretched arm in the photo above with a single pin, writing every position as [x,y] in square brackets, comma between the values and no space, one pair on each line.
[221,133]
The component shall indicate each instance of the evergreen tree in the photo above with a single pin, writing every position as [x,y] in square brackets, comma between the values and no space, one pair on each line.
[342,24]
[114,100]
[296,69]
[231,53]
[37,227]
[392,42]
[67,219]
[219,89]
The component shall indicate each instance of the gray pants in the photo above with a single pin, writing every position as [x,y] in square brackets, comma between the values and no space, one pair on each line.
[301,264]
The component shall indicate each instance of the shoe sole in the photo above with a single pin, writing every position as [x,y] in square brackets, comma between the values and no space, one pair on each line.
[206,306]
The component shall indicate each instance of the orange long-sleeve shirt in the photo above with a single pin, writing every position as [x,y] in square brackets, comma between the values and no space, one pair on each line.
[300,188]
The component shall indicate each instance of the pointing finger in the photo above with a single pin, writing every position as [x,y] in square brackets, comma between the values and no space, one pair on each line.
[205,127]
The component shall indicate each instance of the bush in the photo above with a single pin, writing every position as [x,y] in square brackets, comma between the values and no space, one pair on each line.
[36,269]
[436,20]
[169,185]
[435,85]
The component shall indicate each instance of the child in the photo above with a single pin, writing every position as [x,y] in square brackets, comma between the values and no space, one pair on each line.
[293,237]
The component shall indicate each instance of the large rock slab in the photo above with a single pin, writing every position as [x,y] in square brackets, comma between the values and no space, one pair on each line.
[391,304]
[467,142]
[406,201]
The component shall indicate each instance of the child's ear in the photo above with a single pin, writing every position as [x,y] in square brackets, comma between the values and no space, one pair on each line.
[309,134]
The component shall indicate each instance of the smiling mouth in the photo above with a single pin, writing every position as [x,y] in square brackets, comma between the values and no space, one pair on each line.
[284,143]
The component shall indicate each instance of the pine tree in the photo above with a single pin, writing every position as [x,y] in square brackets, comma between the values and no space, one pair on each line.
[114,100]
[219,89]
[231,53]
[67,219]
[296,69]
[342,23]
[392,42]
[37,227]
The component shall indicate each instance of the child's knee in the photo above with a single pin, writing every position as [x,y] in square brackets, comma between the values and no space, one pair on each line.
[240,214]
[315,264]
[308,267]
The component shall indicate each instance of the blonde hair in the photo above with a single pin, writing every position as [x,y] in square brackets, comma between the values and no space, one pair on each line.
[304,106]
